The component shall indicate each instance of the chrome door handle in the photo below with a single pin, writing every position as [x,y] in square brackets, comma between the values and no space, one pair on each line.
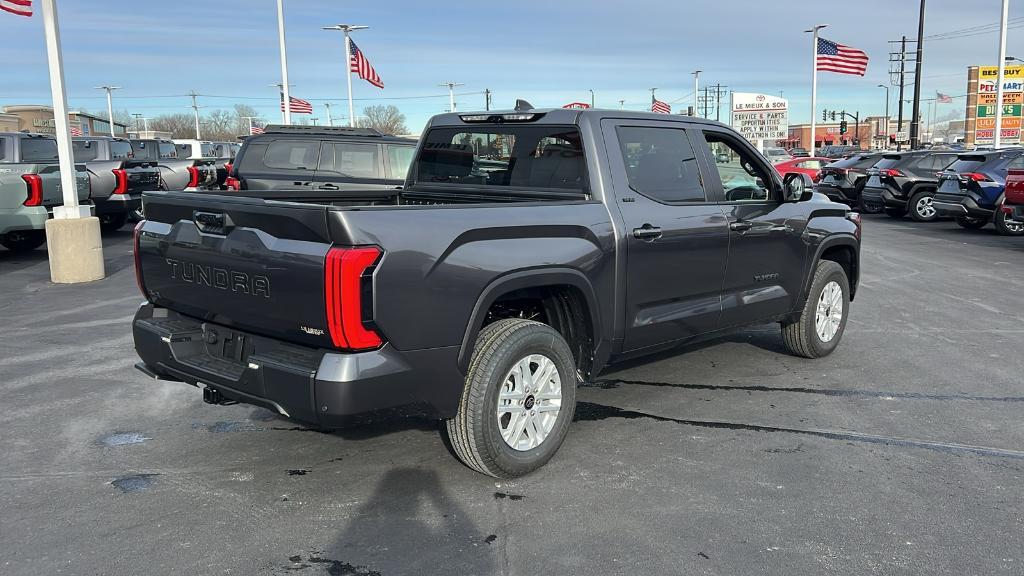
[740,226]
[647,232]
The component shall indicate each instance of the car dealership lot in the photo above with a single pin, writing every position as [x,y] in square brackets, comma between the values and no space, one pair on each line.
[902,452]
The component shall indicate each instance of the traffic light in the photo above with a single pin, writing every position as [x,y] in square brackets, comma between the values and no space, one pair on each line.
[842,127]
[832,115]
[824,115]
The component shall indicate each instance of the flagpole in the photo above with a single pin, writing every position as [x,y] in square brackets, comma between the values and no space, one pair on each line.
[286,115]
[814,83]
[348,78]
[330,121]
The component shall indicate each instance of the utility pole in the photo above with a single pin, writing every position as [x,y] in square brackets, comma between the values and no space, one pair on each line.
[347,29]
[330,121]
[706,100]
[622,104]
[145,124]
[997,133]
[286,114]
[110,106]
[719,92]
[195,109]
[314,120]
[137,118]
[487,98]
[451,93]
[915,123]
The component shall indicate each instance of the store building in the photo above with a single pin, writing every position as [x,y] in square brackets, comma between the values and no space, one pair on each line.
[39,119]
[870,134]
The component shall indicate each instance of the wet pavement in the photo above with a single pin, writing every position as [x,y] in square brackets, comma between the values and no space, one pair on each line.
[902,453]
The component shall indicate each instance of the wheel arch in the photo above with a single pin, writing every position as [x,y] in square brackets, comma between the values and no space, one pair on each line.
[843,249]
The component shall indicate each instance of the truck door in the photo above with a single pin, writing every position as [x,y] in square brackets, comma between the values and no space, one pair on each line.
[767,252]
[676,236]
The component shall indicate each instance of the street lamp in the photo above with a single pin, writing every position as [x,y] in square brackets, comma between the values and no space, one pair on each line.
[591,98]
[886,111]
[451,93]
[347,28]
[696,86]
[110,107]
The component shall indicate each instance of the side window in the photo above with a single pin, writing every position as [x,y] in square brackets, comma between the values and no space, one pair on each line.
[168,151]
[292,155]
[743,179]
[661,164]
[810,164]
[356,160]
[400,157]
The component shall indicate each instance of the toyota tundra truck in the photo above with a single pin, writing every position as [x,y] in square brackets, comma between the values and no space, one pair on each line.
[30,187]
[527,251]
[116,178]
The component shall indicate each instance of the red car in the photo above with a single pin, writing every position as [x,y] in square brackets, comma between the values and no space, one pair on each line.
[1013,196]
[810,166]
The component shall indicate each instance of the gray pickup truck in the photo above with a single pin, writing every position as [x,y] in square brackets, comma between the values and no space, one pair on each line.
[527,250]
[30,187]
[177,171]
[117,179]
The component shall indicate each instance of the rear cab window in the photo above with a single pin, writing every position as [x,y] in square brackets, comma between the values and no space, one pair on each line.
[85,150]
[120,150]
[144,151]
[504,157]
[168,151]
[292,155]
[38,150]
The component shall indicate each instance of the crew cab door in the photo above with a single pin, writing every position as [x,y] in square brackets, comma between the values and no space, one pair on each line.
[350,166]
[675,235]
[767,254]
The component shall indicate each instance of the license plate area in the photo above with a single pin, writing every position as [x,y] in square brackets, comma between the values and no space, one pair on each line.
[227,345]
[874,180]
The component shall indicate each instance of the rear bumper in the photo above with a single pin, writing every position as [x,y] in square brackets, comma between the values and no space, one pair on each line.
[959,205]
[23,218]
[878,198]
[325,388]
[838,194]
[118,204]
[1016,211]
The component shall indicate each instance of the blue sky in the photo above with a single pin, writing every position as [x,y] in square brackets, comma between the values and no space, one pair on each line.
[549,53]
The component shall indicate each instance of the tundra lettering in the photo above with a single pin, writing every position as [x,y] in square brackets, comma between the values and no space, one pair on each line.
[255,284]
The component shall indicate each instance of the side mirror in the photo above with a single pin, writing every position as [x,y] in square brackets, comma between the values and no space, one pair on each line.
[797,187]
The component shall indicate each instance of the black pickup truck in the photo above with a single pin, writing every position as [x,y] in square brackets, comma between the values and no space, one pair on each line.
[527,251]
[116,178]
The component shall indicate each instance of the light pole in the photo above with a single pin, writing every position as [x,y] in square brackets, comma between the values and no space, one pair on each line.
[915,119]
[285,96]
[195,109]
[886,131]
[330,120]
[622,104]
[110,106]
[696,88]
[347,29]
[451,93]
[250,119]
[591,98]
[998,132]
[814,82]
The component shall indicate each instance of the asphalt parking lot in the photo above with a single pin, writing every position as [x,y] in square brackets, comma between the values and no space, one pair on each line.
[902,453]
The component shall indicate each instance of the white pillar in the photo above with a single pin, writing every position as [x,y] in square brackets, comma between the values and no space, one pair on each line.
[696,88]
[997,133]
[286,97]
[451,97]
[330,120]
[110,110]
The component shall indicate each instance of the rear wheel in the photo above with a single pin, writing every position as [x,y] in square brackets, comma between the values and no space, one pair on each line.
[113,222]
[971,223]
[519,399]
[23,240]
[819,328]
[895,212]
[921,208]
[1005,225]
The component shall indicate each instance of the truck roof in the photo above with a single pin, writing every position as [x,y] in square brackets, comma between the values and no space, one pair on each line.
[568,116]
[27,134]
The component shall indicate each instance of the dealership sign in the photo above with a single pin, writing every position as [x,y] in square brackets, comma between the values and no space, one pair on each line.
[760,117]
[577,105]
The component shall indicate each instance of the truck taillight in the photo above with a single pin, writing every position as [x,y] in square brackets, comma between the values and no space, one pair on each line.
[976,176]
[890,172]
[136,237]
[34,196]
[346,272]
[193,177]
[121,181]
[233,183]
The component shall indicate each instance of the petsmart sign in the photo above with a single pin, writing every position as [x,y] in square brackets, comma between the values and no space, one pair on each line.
[760,117]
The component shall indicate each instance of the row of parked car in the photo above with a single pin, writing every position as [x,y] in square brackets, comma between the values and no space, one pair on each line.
[969,187]
[111,175]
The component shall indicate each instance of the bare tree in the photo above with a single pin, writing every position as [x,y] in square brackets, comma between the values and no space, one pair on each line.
[386,119]
[242,112]
[179,125]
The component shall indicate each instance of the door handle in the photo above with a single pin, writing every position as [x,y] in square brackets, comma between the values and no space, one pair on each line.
[647,232]
[740,226]
[329,186]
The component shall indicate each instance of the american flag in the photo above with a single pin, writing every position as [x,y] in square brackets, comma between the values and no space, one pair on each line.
[256,128]
[659,106]
[360,65]
[941,98]
[19,7]
[833,57]
[298,105]
[76,130]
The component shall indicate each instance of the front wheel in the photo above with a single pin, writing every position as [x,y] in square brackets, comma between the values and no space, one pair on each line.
[23,240]
[971,223]
[1005,225]
[519,399]
[819,328]
[921,208]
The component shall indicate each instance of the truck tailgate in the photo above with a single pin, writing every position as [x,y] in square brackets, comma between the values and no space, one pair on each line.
[246,263]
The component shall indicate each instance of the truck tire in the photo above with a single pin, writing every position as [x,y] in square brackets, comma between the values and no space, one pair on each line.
[821,323]
[895,212]
[1005,225]
[504,427]
[113,222]
[23,240]
[920,205]
[971,223]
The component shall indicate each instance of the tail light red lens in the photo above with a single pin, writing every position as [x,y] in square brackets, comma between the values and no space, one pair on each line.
[976,176]
[817,176]
[890,172]
[120,181]
[1008,210]
[136,236]
[233,183]
[193,177]
[34,183]
[345,271]
[227,168]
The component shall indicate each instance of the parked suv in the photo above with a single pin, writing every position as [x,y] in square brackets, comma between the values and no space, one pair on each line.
[972,190]
[117,180]
[843,180]
[903,181]
[1013,201]
[838,150]
[315,161]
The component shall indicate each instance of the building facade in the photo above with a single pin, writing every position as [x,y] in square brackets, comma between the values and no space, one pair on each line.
[872,133]
[39,119]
